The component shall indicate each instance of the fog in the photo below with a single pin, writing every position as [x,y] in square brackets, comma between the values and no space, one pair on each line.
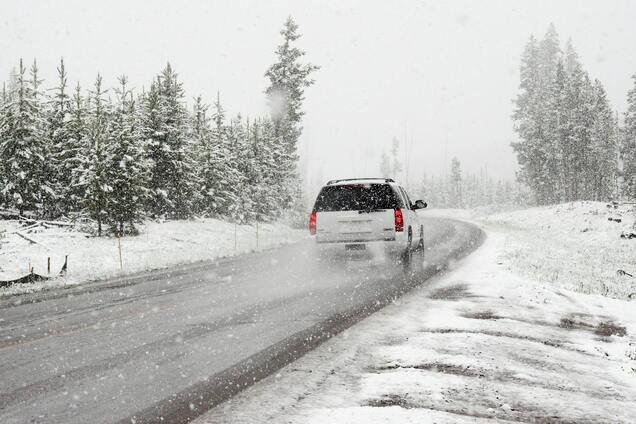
[440,75]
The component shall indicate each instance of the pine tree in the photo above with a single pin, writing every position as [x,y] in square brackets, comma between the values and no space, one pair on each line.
[22,145]
[602,163]
[288,78]
[629,144]
[261,177]
[528,122]
[239,210]
[579,102]
[4,100]
[170,150]
[456,184]
[126,166]
[203,151]
[548,57]
[396,166]
[64,148]
[93,175]
[155,153]
[220,173]
[71,154]
[45,165]
[385,166]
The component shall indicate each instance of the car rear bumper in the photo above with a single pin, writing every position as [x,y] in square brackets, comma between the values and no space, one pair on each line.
[356,247]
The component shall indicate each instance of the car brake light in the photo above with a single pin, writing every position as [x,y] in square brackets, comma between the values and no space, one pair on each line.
[399,220]
[312,223]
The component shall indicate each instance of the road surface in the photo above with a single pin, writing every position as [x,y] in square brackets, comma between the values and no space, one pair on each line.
[166,346]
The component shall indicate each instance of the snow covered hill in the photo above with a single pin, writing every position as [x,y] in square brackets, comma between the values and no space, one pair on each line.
[160,244]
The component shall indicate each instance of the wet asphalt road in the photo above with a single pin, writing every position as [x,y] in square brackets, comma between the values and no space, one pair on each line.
[167,346]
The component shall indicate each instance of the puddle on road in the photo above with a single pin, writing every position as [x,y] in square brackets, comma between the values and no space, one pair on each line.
[489,315]
[604,328]
[454,292]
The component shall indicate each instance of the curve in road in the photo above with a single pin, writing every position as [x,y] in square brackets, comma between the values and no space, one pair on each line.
[167,346]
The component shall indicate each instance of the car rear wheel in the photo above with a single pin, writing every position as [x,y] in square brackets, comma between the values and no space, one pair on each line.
[420,244]
[406,257]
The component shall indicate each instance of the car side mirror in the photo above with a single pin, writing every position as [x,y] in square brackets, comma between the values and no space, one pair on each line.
[420,204]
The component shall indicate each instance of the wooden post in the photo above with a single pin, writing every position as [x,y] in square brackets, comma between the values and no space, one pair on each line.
[121,264]
[48,265]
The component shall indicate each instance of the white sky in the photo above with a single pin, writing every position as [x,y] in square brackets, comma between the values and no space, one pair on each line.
[444,72]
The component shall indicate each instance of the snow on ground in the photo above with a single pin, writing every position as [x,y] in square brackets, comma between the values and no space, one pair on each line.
[488,341]
[574,245]
[160,244]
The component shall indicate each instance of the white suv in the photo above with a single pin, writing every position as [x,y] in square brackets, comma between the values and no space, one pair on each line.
[357,214]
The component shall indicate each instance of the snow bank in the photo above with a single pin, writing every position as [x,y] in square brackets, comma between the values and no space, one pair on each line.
[160,244]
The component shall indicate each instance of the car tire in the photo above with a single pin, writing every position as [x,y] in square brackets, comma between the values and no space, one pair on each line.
[406,257]
[420,245]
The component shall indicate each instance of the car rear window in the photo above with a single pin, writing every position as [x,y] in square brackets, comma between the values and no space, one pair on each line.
[356,197]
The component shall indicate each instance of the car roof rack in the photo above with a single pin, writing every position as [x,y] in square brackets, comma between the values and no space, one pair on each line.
[387,180]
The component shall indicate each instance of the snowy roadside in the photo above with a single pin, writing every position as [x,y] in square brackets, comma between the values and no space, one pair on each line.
[577,246]
[159,245]
[481,343]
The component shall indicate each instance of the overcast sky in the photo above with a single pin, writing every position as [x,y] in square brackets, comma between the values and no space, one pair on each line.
[440,73]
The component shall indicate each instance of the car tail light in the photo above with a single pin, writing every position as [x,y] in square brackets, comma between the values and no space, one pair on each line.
[399,220]
[312,223]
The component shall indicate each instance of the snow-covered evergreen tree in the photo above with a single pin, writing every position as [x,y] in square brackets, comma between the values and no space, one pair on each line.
[390,165]
[48,193]
[386,170]
[93,173]
[456,184]
[288,78]
[528,123]
[267,198]
[64,148]
[4,99]
[222,176]
[169,148]
[579,100]
[629,144]
[239,210]
[23,145]
[396,166]
[127,170]
[602,159]
[212,159]
[71,155]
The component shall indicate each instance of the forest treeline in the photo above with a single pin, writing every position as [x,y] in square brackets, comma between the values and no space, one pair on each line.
[571,144]
[118,156]
[458,189]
